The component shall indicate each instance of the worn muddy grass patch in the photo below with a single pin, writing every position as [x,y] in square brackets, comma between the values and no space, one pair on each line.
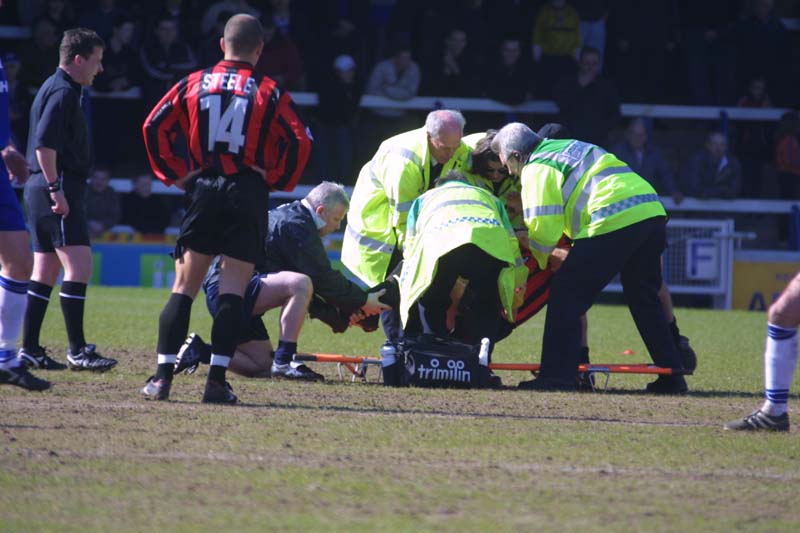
[90,455]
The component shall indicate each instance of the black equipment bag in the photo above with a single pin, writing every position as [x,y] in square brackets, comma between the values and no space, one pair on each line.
[428,361]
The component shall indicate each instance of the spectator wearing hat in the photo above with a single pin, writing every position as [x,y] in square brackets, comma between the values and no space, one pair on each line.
[339,96]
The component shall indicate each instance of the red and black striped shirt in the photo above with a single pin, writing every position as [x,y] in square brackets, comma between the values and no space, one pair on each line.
[228,118]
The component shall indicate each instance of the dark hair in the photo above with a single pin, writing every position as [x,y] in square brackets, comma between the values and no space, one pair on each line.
[483,154]
[243,34]
[554,130]
[78,42]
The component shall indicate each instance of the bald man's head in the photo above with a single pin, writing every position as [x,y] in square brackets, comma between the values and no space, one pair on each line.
[243,35]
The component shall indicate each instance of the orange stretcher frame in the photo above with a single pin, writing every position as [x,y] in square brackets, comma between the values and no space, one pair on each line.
[357,366]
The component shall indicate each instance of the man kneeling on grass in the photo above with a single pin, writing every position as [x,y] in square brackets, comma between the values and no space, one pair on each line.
[297,275]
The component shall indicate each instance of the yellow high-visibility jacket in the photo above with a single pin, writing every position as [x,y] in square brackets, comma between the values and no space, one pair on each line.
[386,187]
[450,216]
[578,189]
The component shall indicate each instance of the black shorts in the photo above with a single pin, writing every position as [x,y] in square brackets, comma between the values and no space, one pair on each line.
[227,215]
[253,328]
[49,230]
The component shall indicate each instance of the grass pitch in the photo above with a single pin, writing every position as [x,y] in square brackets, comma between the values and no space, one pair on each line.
[90,455]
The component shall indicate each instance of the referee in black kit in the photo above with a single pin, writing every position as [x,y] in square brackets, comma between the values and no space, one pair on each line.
[244,138]
[60,158]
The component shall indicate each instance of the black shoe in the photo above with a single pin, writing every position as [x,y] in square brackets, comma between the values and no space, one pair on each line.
[219,392]
[20,377]
[668,385]
[494,381]
[296,371]
[89,359]
[548,385]
[688,356]
[193,352]
[38,359]
[760,421]
[156,389]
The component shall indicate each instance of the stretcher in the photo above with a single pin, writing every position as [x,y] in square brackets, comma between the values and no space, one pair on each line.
[357,366]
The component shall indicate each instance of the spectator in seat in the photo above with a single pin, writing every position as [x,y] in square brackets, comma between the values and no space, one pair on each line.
[281,59]
[121,69]
[593,15]
[453,72]
[339,97]
[102,19]
[186,19]
[753,139]
[165,60]
[231,6]
[763,48]
[787,155]
[787,164]
[709,52]
[588,104]
[556,43]
[40,55]
[19,100]
[142,210]
[397,78]
[342,26]
[61,13]
[103,209]
[643,34]
[291,22]
[209,51]
[712,172]
[508,79]
[646,159]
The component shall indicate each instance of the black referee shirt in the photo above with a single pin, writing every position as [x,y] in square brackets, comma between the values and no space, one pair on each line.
[57,122]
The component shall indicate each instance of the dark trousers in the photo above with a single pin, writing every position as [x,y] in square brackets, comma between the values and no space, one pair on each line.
[481,270]
[390,320]
[635,253]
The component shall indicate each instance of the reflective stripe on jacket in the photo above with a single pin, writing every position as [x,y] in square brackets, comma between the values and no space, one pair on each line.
[578,189]
[386,187]
[450,216]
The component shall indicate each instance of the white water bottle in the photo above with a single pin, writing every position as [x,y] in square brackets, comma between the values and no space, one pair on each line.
[483,355]
[391,374]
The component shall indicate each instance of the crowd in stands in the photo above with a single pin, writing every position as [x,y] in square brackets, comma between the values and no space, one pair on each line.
[586,55]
